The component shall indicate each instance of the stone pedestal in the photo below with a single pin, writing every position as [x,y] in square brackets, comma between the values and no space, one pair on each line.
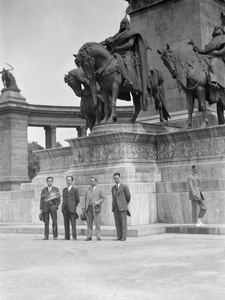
[13,133]
[129,150]
[154,161]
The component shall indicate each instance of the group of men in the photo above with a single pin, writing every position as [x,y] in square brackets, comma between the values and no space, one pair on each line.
[91,207]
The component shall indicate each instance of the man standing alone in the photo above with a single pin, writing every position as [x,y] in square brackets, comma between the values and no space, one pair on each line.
[120,199]
[70,202]
[93,200]
[49,202]
[196,197]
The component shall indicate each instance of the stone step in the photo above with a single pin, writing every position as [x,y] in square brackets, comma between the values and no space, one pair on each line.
[133,231]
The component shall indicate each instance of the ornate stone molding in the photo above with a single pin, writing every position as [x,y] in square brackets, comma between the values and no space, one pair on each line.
[136,5]
[56,163]
[204,147]
[114,152]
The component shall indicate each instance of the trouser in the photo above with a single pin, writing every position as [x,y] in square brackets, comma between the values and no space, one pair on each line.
[69,217]
[53,212]
[91,217]
[195,204]
[120,222]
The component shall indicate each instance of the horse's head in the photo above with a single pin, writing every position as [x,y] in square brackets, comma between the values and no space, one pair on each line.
[168,60]
[68,78]
[73,82]
[86,59]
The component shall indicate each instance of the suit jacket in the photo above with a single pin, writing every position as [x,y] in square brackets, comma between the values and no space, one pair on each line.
[72,198]
[44,205]
[195,192]
[121,196]
[95,197]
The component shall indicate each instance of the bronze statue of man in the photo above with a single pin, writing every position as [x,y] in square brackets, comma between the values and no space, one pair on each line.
[215,49]
[130,49]
[9,81]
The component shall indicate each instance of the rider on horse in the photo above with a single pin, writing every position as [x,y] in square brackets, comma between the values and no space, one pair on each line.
[216,50]
[130,49]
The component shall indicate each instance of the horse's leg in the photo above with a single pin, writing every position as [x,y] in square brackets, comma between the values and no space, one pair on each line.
[106,106]
[190,104]
[158,104]
[202,105]
[97,110]
[137,107]
[220,113]
[115,91]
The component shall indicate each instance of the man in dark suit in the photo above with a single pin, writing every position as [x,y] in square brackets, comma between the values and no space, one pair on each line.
[49,202]
[196,196]
[93,200]
[69,205]
[120,199]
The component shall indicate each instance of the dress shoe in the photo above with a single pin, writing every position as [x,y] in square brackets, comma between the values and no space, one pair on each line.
[64,239]
[74,238]
[117,239]
[45,238]
[88,239]
[99,239]
[123,239]
[55,238]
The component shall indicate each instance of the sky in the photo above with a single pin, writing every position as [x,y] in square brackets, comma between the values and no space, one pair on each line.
[38,38]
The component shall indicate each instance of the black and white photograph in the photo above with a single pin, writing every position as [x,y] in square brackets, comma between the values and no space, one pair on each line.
[112,149]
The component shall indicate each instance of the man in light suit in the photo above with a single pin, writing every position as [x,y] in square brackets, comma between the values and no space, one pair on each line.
[120,199]
[70,201]
[49,202]
[196,196]
[93,200]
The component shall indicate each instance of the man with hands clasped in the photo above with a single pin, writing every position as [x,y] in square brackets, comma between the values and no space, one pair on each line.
[93,200]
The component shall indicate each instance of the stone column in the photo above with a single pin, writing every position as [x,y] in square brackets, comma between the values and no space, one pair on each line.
[47,137]
[50,137]
[13,140]
[53,136]
[81,131]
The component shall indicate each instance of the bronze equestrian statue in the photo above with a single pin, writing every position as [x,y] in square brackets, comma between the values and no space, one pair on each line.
[191,75]
[120,69]
[93,115]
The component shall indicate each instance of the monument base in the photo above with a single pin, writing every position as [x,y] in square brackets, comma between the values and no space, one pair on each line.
[154,161]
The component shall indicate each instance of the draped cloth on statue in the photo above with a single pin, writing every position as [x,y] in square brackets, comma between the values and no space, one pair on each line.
[217,64]
[140,61]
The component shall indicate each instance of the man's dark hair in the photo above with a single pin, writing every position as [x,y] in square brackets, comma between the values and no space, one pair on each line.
[116,174]
[94,178]
[50,177]
[194,166]
[70,177]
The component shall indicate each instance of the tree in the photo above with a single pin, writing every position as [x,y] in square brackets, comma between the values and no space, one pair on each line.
[33,160]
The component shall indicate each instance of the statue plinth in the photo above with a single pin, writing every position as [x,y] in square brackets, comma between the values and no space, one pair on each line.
[11,95]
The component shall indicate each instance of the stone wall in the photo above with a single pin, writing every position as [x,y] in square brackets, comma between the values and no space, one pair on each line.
[154,165]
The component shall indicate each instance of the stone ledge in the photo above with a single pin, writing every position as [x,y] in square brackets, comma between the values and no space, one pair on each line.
[133,231]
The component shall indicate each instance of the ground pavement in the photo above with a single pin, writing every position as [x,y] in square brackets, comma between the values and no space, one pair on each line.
[159,267]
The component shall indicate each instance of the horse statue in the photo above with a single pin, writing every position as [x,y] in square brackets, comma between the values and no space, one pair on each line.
[93,115]
[101,66]
[191,74]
